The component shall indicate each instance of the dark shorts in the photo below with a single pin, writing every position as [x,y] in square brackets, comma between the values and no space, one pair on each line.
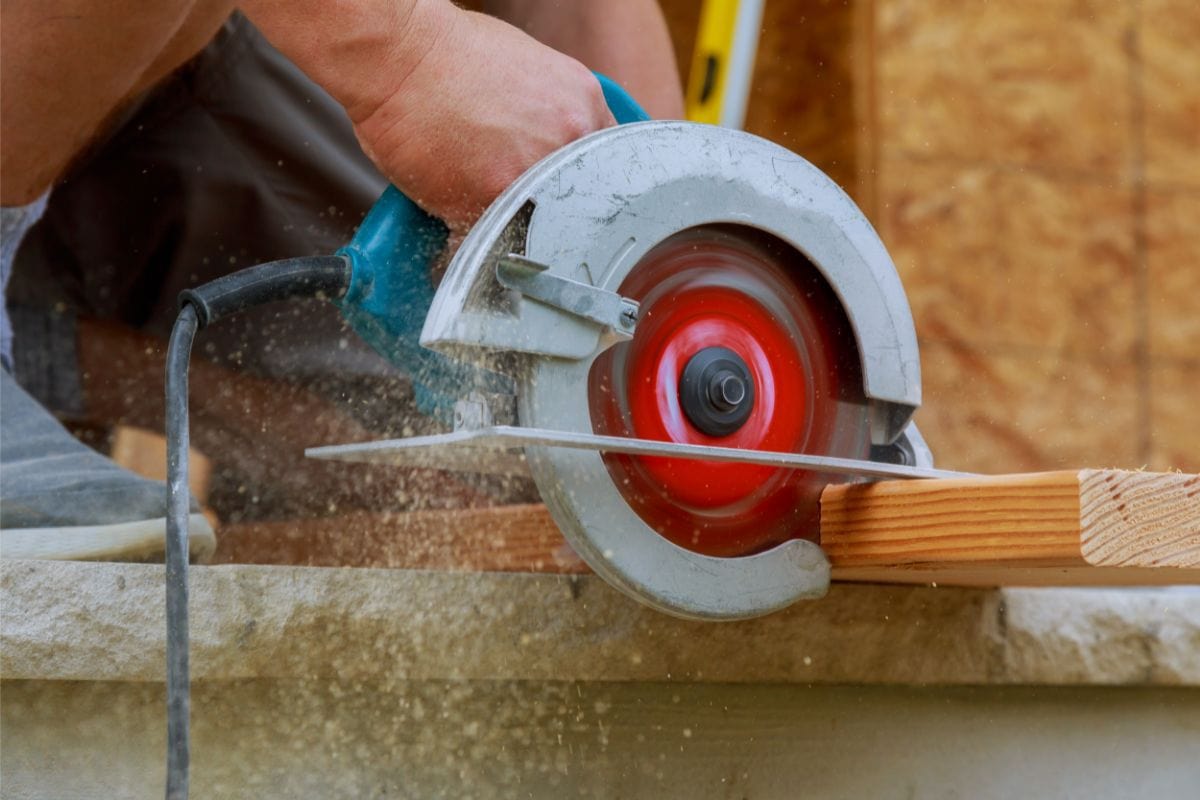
[236,159]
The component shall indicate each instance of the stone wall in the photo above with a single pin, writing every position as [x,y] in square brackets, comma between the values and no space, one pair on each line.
[317,682]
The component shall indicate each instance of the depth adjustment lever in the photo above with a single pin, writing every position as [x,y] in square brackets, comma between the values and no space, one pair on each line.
[535,281]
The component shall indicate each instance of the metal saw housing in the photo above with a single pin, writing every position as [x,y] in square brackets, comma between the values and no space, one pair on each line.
[590,212]
[592,209]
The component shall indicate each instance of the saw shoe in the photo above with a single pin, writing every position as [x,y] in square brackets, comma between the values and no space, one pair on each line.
[59,499]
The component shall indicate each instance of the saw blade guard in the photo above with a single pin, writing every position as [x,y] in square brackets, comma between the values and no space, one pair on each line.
[594,209]
[813,319]
[391,256]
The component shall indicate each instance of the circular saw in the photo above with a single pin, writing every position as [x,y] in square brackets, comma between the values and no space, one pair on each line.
[684,333]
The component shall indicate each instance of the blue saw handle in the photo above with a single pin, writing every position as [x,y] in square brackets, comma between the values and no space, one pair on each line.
[391,291]
[623,107]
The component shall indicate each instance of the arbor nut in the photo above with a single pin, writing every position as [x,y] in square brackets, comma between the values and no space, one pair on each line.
[716,391]
[727,390]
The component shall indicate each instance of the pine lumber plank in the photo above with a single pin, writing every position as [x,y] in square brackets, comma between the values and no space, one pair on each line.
[1088,527]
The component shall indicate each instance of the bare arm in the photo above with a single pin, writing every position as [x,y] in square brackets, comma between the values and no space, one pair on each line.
[450,104]
[624,39]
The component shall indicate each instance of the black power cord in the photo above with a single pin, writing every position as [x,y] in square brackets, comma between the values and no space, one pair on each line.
[317,276]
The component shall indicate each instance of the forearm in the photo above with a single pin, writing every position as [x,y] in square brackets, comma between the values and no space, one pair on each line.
[451,105]
[624,39]
[345,44]
[357,50]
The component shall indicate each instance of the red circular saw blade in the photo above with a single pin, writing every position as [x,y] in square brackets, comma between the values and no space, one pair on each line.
[736,288]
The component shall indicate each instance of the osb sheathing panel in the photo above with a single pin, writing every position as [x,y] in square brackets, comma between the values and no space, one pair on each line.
[1170,52]
[995,258]
[806,84]
[1173,270]
[1175,415]
[1042,82]
[1037,187]
[1025,410]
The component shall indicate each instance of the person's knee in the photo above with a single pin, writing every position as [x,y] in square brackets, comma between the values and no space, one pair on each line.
[57,99]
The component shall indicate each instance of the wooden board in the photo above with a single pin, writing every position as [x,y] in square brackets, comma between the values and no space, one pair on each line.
[519,538]
[1090,527]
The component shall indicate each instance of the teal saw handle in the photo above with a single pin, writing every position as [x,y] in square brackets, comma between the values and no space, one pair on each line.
[391,291]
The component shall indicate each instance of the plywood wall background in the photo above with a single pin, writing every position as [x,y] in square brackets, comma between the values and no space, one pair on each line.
[1034,169]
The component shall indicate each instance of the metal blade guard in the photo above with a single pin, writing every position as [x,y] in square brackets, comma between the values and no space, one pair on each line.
[541,278]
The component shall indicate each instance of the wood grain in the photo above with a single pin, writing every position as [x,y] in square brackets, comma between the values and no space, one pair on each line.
[1090,527]
[1139,519]
[905,522]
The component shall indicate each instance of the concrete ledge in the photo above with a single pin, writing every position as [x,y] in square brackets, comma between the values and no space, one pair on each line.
[104,622]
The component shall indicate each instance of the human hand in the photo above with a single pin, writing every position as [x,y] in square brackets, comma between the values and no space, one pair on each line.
[483,103]
[451,105]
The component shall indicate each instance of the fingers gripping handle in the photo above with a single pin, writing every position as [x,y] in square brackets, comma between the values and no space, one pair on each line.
[390,291]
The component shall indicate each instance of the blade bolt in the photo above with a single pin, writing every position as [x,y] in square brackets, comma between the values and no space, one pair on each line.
[726,390]
[716,391]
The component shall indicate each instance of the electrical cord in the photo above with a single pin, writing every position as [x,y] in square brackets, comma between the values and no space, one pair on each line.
[179,354]
[316,276]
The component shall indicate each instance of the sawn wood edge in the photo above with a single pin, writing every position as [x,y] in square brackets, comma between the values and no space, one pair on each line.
[1086,527]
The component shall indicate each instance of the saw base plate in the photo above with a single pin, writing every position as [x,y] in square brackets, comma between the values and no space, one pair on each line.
[497,450]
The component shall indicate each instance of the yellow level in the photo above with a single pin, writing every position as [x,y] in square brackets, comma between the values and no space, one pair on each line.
[723,61]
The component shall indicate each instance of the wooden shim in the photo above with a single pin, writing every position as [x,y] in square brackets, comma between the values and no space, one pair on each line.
[1093,527]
